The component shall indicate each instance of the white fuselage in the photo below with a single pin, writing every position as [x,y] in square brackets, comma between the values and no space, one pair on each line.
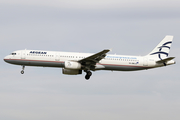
[57,59]
[74,63]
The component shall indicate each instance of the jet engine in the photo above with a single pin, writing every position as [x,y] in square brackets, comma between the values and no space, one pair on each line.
[71,72]
[72,65]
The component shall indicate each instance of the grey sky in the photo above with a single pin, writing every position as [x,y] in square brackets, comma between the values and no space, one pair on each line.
[128,27]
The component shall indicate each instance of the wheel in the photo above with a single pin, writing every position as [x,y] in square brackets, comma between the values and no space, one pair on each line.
[22,72]
[87,77]
[89,73]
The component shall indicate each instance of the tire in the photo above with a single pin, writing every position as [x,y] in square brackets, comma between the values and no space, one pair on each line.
[89,73]
[87,77]
[22,72]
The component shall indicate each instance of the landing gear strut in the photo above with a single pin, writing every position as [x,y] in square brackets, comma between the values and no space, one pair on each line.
[88,75]
[22,71]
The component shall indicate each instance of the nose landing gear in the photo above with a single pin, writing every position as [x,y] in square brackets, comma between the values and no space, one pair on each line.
[88,75]
[22,71]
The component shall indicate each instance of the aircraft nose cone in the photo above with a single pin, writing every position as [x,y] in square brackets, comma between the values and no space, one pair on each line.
[6,58]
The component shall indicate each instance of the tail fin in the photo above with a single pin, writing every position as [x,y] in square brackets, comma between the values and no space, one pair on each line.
[161,51]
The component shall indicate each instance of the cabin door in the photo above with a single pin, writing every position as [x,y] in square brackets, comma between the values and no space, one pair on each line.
[23,54]
[145,61]
[57,57]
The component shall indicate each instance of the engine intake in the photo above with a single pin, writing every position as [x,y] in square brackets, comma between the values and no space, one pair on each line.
[72,65]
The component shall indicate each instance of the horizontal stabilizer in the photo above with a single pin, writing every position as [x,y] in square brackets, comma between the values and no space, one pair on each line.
[165,60]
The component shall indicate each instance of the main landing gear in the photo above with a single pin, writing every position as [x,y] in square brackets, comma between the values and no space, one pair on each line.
[88,74]
[22,71]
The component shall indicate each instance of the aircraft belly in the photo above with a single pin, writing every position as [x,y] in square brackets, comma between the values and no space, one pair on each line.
[36,63]
[123,68]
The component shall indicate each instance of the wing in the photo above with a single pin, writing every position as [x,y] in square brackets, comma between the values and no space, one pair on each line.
[90,62]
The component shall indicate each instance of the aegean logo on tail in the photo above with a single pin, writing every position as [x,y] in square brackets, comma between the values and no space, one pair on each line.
[160,50]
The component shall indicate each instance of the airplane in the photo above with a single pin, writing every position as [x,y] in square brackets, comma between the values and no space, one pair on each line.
[73,63]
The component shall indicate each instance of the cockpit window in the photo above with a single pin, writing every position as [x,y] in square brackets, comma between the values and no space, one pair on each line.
[13,53]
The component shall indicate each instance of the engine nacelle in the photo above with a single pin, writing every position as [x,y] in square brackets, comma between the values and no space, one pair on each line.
[71,72]
[72,65]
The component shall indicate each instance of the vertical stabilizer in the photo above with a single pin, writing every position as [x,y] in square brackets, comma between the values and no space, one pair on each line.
[161,51]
